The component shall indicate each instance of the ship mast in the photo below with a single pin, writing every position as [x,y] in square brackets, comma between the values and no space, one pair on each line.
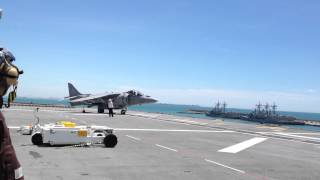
[259,107]
[267,108]
[274,108]
[224,107]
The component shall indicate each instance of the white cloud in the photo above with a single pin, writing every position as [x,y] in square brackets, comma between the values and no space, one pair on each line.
[311,91]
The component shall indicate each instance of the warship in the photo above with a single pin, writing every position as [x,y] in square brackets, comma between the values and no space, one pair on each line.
[268,114]
[261,114]
[220,110]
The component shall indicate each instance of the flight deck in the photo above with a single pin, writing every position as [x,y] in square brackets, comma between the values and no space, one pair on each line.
[158,146]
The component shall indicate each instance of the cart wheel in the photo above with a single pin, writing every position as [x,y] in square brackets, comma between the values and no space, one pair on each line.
[110,141]
[37,139]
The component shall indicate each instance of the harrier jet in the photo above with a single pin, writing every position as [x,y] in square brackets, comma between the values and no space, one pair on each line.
[120,100]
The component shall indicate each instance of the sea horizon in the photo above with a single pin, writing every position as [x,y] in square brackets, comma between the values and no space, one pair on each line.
[168,108]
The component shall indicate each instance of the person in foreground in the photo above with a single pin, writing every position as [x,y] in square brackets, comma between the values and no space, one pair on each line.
[10,168]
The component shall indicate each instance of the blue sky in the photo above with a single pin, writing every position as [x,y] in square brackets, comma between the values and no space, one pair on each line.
[181,51]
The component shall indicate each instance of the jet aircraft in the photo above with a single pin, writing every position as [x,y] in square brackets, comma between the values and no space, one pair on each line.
[120,100]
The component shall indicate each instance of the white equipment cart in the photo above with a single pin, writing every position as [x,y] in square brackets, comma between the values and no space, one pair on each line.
[68,133]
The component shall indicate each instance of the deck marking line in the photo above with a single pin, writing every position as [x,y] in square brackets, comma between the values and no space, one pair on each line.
[145,115]
[28,110]
[188,121]
[164,147]
[297,136]
[14,127]
[40,110]
[78,114]
[137,139]
[225,166]
[243,145]
[304,133]
[172,130]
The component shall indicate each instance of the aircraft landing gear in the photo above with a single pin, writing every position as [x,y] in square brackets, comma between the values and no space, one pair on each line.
[100,109]
[123,111]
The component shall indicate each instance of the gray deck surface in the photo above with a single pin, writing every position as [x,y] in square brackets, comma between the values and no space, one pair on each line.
[162,147]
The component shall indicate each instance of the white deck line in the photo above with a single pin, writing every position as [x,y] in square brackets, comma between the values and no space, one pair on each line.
[297,136]
[225,166]
[13,127]
[304,133]
[288,133]
[137,139]
[145,115]
[88,114]
[164,147]
[32,110]
[172,130]
[242,146]
[11,109]
[187,121]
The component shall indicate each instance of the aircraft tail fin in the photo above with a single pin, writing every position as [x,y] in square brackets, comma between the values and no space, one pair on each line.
[73,91]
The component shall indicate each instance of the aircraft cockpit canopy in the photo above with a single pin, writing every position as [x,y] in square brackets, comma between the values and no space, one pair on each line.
[135,93]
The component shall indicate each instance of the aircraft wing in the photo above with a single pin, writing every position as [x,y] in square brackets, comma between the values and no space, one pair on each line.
[96,99]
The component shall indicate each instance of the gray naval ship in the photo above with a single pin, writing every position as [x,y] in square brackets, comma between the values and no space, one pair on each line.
[268,114]
[261,114]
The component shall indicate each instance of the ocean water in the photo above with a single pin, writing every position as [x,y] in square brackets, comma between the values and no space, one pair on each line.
[40,101]
[178,110]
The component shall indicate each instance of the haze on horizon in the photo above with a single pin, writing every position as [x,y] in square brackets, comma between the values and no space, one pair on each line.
[180,52]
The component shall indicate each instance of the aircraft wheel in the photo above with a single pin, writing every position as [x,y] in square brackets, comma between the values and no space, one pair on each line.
[110,141]
[123,112]
[100,110]
[37,139]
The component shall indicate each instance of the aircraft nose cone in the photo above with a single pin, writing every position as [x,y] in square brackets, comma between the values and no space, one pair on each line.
[150,100]
[135,100]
